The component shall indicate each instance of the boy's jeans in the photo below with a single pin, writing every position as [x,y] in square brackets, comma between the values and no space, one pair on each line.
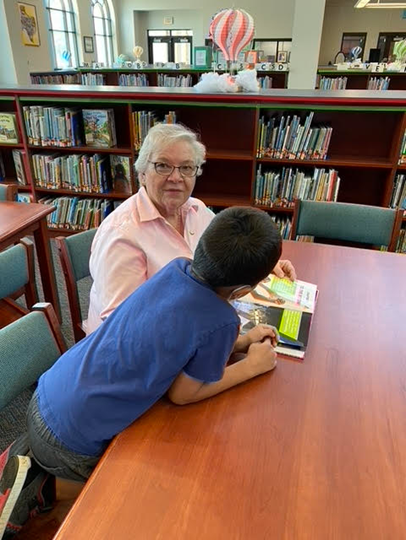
[51,454]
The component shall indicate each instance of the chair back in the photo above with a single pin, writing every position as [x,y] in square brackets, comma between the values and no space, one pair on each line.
[8,192]
[74,254]
[28,347]
[347,222]
[17,272]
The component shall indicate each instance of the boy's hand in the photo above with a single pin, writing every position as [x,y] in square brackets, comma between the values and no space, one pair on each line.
[261,358]
[284,269]
[260,332]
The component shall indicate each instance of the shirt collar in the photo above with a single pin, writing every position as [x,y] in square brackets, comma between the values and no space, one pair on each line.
[148,211]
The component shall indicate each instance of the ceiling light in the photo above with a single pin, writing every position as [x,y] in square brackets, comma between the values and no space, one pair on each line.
[388,5]
[361,3]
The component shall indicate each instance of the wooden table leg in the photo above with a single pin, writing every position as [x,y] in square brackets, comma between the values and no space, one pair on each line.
[46,266]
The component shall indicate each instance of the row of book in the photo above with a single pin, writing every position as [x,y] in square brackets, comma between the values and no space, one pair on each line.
[18,167]
[401,247]
[98,173]
[73,213]
[265,83]
[92,79]
[8,128]
[333,83]
[143,121]
[378,83]
[281,188]
[180,81]
[289,138]
[130,79]
[284,225]
[398,199]
[66,127]
[73,78]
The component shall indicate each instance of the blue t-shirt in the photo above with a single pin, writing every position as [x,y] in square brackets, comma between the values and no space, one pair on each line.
[171,323]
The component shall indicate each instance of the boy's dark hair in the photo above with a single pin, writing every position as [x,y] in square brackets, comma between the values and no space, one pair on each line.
[241,246]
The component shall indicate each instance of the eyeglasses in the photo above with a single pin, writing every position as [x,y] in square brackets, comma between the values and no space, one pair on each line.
[163,169]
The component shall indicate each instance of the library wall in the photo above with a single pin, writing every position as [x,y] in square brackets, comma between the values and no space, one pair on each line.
[272,18]
[7,71]
[340,16]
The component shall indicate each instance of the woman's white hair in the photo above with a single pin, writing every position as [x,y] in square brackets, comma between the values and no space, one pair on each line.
[162,135]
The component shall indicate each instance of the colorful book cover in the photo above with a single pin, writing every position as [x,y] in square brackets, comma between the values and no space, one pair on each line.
[8,129]
[120,174]
[99,127]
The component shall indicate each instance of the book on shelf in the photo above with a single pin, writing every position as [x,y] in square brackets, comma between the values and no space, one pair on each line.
[121,174]
[284,226]
[401,246]
[76,172]
[133,79]
[24,198]
[289,138]
[287,305]
[333,83]
[282,187]
[402,157]
[143,121]
[8,128]
[99,127]
[378,83]
[76,214]
[398,199]
[170,81]
[53,126]
[19,166]
[265,83]
[93,79]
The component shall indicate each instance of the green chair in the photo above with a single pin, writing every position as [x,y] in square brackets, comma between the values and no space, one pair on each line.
[74,254]
[8,192]
[17,278]
[370,225]
[28,347]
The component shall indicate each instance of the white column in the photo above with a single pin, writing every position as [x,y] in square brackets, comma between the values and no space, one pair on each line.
[306,37]
[7,68]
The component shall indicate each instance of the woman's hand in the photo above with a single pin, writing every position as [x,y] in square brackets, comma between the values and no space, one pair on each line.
[284,269]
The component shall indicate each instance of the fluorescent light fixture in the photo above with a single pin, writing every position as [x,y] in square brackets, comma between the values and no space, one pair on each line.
[378,5]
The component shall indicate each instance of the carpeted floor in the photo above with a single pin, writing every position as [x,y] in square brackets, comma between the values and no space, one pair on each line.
[12,418]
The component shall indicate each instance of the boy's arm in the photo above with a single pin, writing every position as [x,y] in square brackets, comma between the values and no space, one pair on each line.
[261,358]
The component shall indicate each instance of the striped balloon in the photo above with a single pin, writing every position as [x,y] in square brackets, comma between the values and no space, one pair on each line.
[356,51]
[231,30]
[399,50]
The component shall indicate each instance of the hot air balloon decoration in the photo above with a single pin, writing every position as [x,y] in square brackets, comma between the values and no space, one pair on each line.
[399,50]
[355,53]
[66,56]
[137,51]
[231,30]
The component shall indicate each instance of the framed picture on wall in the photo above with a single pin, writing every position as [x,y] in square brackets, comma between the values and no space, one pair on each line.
[88,44]
[29,24]
[282,57]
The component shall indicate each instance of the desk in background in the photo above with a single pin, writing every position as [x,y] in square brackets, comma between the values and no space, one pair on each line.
[312,451]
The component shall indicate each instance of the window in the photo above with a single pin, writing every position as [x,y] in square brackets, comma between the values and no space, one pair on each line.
[351,40]
[103,32]
[170,46]
[386,42]
[62,27]
[269,49]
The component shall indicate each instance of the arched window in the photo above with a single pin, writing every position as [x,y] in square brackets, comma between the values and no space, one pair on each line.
[103,31]
[62,26]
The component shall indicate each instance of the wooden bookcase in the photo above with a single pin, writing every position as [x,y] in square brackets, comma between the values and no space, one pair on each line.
[368,128]
[112,76]
[358,79]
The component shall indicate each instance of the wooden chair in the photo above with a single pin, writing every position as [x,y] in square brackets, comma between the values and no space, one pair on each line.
[358,223]
[8,192]
[74,253]
[17,278]
[28,347]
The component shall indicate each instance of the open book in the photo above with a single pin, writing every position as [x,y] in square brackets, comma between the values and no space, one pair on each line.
[287,305]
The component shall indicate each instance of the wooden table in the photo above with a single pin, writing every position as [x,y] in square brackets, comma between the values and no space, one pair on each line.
[18,220]
[313,451]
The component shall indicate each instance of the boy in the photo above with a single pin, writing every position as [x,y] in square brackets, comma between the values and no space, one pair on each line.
[174,334]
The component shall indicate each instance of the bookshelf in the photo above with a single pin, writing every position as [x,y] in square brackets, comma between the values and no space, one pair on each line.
[365,145]
[143,77]
[358,79]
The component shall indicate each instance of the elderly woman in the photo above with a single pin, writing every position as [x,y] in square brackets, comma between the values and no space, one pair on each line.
[159,223]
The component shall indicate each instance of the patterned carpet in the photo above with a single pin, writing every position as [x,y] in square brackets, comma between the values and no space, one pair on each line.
[12,418]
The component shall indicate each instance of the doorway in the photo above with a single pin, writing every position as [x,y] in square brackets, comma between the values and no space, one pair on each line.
[170,46]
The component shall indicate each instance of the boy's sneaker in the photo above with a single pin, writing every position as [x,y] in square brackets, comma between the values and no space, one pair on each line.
[19,447]
[25,499]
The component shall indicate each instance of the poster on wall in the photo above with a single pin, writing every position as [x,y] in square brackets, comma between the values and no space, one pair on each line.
[29,24]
